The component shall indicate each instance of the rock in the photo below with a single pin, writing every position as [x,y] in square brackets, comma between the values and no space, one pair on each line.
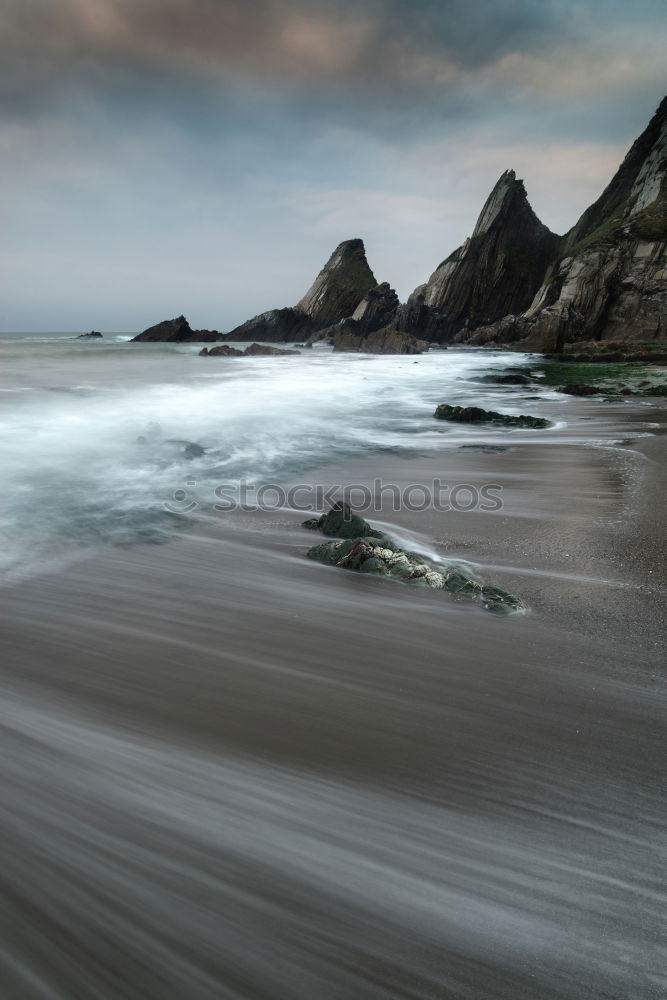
[338,289]
[575,389]
[342,522]
[348,336]
[176,331]
[279,325]
[190,448]
[86,336]
[369,551]
[608,279]
[496,271]
[261,350]
[506,379]
[222,351]
[253,351]
[340,286]
[476,415]
[376,310]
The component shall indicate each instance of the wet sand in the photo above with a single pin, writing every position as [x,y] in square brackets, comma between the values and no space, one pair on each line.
[232,772]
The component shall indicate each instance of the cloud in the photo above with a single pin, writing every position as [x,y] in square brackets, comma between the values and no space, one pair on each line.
[159,154]
[47,49]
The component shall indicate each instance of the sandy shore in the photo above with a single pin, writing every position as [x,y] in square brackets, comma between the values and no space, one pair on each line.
[237,773]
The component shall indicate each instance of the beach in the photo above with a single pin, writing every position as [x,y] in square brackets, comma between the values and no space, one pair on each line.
[234,772]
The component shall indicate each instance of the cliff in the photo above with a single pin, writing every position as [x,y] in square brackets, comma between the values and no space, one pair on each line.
[497,271]
[608,281]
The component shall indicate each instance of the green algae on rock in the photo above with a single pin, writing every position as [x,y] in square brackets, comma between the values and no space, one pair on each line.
[361,547]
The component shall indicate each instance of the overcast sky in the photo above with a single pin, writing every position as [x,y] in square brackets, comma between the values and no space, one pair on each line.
[206,156]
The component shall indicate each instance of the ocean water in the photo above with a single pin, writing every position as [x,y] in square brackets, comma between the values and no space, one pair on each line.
[231,773]
[95,434]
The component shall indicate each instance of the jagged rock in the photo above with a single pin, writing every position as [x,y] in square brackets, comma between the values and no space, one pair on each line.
[376,310]
[335,294]
[86,336]
[340,286]
[497,270]
[178,331]
[476,415]
[609,278]
[279,325]
[347,336]
[369,551]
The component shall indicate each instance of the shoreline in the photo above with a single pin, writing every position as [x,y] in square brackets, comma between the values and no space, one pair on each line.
[384,785]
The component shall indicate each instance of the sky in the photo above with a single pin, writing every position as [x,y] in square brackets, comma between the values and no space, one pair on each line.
[205,157]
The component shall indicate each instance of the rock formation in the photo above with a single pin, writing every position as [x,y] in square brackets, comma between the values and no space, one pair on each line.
[370,551]
[177,331]
[279,325]
[347,337]
[476,415]
[497,270]
[253,351]
[608,279]
[87,336]
[335,294]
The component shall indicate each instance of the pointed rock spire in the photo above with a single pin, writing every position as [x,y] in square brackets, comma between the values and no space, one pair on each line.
[495,272]
[340,286]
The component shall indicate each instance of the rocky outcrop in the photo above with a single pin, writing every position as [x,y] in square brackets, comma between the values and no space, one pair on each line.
[279,325]
[339,288]
[370,551]
[348,336]
[497,270]
[476,415]
[608,281]
[86,336]
[177,331]
[376,310]
[222,351]
[253,351]
[372,327]
[266,351]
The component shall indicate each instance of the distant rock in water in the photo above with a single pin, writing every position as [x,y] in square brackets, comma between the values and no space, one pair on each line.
[334,295]
[253,351]
[223,350]
[264,350]
[476,415]
[177,331]
[87,336]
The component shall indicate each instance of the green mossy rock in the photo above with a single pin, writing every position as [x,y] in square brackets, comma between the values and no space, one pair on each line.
[374,553]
